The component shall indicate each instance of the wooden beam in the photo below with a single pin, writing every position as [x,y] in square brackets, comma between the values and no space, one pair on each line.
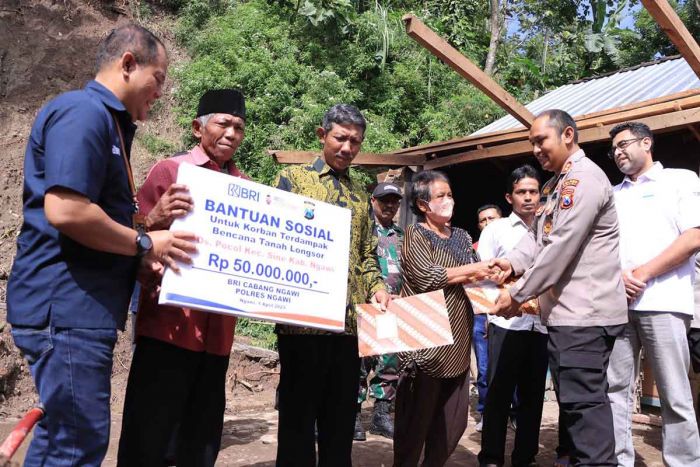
[686,99]
[667,18]
[363,158]
[694,131]
[502,150]
[461,64]
[657,123]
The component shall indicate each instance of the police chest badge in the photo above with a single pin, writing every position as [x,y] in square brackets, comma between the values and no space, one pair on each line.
[547,228]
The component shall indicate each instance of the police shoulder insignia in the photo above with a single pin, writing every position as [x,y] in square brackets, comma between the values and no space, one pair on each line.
[566,167]
[546,190]
[567,200]
[570,182]
[539,210]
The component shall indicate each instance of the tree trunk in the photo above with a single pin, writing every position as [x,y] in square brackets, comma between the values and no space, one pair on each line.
[545,50]
[495,26]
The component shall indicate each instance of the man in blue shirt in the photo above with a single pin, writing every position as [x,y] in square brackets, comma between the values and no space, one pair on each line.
[78,251]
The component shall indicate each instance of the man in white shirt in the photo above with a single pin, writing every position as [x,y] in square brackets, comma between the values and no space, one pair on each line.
[486,214]
[659,216]
[517,346]
[694,333]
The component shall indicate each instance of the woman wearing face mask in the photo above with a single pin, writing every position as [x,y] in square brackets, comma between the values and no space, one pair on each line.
[432,399]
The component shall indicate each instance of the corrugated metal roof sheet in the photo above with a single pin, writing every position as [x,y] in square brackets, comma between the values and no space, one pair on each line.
[647,81]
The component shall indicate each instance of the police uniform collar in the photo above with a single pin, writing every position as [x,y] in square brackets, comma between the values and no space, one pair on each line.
[573,158]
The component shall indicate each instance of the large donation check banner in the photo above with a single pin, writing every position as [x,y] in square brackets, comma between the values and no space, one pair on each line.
[410,323]
[265,253]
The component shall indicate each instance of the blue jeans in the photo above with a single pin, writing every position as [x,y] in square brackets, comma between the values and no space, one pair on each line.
[71,370]
[481,349]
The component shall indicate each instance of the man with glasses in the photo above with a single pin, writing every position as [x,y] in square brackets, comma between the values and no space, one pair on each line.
[659,215]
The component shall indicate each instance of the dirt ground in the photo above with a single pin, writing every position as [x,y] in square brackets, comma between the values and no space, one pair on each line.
[250,439]
[47,47]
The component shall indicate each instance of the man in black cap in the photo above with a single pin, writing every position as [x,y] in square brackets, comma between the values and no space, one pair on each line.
[178,372]
[386,200]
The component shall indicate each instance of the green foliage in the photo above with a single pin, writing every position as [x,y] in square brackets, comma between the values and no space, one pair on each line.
[320,12]
[154,145]
[649,39]
[292,71]
[293,59]
[142,10]
[262,334]
[462,22]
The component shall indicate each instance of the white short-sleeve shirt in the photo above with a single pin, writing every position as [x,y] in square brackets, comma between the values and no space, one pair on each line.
[497,239]
[653,211]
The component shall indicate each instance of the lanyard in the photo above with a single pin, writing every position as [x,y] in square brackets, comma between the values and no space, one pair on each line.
[138,219]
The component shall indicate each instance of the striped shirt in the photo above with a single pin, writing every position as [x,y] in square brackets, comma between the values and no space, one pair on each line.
[425,257]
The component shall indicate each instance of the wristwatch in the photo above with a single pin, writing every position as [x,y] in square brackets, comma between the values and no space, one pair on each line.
[144,244]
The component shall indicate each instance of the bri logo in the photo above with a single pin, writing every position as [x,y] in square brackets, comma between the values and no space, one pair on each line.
[238,191]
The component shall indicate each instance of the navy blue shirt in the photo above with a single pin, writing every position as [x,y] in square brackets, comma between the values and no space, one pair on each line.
[56,281]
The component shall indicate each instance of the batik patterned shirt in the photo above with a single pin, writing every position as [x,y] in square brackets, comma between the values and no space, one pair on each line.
[318,181]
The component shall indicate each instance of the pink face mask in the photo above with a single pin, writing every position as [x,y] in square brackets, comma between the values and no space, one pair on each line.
[442,209]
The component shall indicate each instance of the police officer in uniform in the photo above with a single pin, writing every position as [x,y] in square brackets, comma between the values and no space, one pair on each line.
[571,261]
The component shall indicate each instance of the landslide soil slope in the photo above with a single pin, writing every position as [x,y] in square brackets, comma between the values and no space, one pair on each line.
[46,48]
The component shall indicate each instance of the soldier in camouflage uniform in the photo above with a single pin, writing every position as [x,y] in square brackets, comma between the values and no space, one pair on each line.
[386,200]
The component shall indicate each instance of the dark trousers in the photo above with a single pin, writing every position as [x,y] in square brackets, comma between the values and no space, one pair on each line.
[516,359]
[71,368]
[578,360]
[318,386]
[430,412]
[172,392]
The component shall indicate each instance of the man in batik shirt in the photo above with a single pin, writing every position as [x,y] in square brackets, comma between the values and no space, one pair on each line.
[329,359]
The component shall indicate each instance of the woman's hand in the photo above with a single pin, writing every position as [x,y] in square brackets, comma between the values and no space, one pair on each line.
[477,272]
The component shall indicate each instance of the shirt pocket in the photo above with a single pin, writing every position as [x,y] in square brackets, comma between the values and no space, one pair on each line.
[581,377]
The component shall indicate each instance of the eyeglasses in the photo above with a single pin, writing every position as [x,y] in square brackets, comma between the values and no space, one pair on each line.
[622,145]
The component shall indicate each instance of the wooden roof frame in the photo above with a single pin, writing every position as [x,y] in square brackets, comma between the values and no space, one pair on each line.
[672,112]
[667,18]
[462,65]
[363,158]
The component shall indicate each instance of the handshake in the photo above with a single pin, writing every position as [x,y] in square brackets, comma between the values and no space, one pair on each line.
[497,270]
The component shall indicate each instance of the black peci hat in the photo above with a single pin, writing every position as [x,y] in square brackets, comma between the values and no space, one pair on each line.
[222,101]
